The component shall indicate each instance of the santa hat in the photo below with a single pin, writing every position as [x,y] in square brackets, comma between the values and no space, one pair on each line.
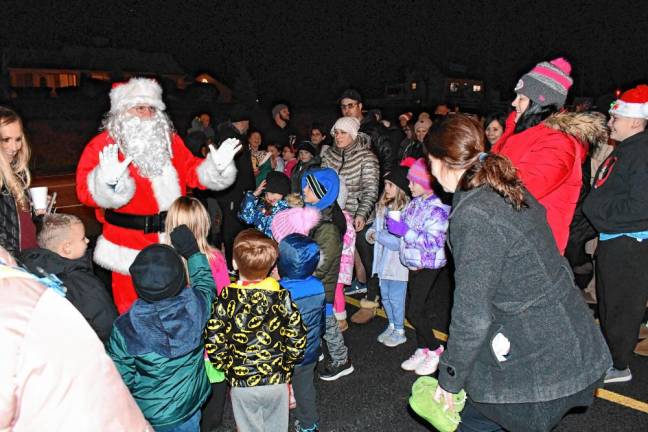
[137,91]
[632,103]
[298,220]
[547,83]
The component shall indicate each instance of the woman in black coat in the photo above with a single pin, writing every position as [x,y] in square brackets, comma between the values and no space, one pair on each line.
[522,342]
[17,230]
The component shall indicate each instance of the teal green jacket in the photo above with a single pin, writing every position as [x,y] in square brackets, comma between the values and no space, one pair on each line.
[158,349]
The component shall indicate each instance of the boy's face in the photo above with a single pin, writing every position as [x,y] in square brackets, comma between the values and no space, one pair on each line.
[305,156]
[309,196]
[272,197]
[75,246]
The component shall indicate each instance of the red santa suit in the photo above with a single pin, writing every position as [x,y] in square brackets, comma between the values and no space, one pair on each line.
[136,195]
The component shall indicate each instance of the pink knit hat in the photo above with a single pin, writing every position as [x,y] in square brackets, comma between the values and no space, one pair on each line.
[419,173]
[298,220]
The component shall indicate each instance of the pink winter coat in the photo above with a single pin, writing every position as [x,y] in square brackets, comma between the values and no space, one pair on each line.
[54,372]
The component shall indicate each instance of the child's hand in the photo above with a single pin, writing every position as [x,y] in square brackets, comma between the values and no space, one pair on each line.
[184,241]
[395,227]
[259,190]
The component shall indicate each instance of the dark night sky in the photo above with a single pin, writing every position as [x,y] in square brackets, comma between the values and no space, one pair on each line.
[306,50]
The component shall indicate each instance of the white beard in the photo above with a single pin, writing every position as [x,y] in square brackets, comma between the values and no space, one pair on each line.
[147,141]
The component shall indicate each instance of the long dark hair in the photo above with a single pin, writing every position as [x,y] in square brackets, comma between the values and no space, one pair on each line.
[534,115]
[458,141]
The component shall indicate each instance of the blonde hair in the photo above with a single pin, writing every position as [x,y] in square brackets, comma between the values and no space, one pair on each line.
[397,203]
[15,175]
[54,229]
[294,200]
[189,211]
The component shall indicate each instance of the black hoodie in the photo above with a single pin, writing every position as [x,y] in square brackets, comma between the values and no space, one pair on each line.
[84,290]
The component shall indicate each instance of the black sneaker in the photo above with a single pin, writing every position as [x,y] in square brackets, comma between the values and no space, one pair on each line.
[332,372]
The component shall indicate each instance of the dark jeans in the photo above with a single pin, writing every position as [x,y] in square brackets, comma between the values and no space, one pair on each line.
[212,411]
[230,228]
[365,251]
[306,396]
[523,417]
[190,425]
[621,291]
[420,305]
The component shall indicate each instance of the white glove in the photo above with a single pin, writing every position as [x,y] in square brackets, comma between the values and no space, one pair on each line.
[225,153]
[111,168]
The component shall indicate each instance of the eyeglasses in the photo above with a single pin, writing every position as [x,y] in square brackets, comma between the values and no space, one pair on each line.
[143,109]
[349,105]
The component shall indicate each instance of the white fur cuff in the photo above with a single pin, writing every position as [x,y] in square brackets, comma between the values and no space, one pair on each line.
[107,196]
[340,315]
[213,179]
[114,257]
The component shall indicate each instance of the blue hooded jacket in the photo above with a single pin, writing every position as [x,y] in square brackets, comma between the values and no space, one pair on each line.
[298,259]
[329,181]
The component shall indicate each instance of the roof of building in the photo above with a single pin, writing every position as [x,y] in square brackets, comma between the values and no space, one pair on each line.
[95,59]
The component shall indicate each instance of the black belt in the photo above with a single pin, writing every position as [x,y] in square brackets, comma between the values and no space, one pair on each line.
[148,224]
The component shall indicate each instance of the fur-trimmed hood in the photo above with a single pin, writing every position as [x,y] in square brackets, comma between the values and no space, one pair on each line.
[587,127]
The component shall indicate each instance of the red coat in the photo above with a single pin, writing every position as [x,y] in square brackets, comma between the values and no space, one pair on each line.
[117,247]
[549,163]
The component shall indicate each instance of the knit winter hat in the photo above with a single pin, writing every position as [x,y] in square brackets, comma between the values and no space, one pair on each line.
[350,125]
[350,94]
[158,273]
[398,176]
[424,122]
[406,117]
[277,108]
[632,103]
[277,182]
[298,257]
[308,146]
[547,83]
[324,183]
[419,174]
[137,91]
[300,220]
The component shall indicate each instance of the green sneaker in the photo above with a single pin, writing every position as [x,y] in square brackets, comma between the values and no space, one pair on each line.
[423,403]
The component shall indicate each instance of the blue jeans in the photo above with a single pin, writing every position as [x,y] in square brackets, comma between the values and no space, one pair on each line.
[191,425]
[393,300]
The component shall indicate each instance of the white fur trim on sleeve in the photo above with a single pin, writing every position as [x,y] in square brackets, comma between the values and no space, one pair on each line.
[107,196]
[114,257]
[213,179]
[340,315]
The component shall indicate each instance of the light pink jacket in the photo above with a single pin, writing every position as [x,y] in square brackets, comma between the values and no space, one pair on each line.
[54,372]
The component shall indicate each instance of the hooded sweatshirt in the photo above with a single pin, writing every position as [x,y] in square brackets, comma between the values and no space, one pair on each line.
[84,290]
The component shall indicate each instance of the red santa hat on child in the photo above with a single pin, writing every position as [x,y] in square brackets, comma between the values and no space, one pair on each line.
[137,91]
[632,103]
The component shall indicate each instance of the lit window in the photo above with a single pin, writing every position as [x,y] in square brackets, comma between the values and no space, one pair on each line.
[476,88]
[204,81]
[454,87]
[413,86]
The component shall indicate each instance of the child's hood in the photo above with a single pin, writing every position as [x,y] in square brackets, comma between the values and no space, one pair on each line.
[53,263]
[298,257]
[171,327]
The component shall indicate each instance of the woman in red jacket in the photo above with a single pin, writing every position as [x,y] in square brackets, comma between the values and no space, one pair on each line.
[546,147]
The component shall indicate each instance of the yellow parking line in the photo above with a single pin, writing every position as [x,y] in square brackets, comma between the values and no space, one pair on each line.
[601,393]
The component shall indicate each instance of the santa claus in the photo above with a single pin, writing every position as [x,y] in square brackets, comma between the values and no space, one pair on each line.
[132,172]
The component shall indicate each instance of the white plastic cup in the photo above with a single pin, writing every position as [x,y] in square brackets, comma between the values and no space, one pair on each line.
[39,197]
[395,215]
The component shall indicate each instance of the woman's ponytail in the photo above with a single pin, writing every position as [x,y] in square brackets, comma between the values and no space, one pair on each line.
[459,142]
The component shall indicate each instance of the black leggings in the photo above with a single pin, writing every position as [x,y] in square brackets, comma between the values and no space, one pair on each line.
[420,304]
[212,411]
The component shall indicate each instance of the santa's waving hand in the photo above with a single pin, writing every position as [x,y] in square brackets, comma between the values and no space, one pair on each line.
[133,170]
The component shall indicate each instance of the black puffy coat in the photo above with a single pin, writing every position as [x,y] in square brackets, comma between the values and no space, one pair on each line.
[84,290]
[380,143]
[9,223]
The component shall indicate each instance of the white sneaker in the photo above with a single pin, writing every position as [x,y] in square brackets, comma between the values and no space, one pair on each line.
[397,337]
[388,331]
[414,361]
[429,365]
